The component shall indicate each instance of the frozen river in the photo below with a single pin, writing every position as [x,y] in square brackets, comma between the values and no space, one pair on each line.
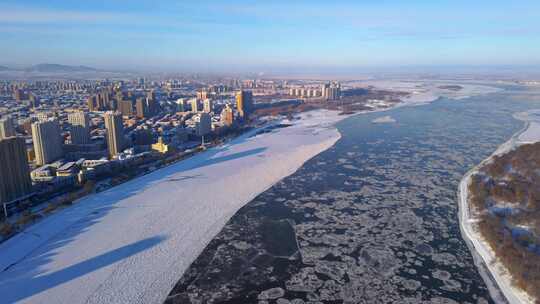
[371,220]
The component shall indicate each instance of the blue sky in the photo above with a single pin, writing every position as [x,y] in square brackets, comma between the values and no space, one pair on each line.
[253,34]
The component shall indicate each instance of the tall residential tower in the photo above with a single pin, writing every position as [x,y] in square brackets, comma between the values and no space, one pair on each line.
[47,141]
[244,103]
[6,128]
[115,132]
[14,174]
[80,128]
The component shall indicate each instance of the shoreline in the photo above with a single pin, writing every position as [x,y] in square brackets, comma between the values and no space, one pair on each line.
[175,237]
[494,274]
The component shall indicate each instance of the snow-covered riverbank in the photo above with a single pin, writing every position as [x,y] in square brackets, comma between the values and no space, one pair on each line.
[494,273]
[425,91]
[131,243]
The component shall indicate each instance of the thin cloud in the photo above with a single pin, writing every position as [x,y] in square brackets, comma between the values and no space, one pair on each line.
[33,16]
[14,19]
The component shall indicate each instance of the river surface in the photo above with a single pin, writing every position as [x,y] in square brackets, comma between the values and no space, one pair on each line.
[371,220]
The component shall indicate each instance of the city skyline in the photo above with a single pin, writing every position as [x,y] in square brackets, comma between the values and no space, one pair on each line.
[244,35]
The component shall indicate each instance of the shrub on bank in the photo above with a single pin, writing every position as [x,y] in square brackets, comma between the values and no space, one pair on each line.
[513,181]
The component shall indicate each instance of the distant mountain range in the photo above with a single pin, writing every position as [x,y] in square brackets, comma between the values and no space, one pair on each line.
[58,68]
[51,68]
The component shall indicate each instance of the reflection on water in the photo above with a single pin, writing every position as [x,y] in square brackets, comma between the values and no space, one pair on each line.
[374,217]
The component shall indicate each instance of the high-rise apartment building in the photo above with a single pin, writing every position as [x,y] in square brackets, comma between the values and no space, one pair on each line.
[194,105]
[151,95]
[331,91]
[92,104]
[227,116]
[180,105]
[324,90]
[125,106]
[34,100]
[115,132]
[204,125]
[244,103]
[208,106]
[80,128]
[19,95]
[141,107]
[6,128]
[14,174]
[47,141]
[202,95]
[152,103]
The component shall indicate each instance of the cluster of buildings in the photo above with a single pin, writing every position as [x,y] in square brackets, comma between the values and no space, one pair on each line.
[79,131]
[59,134]
[327,91]
[124,102]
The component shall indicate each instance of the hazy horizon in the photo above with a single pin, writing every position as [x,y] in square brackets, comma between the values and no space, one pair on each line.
[303,72]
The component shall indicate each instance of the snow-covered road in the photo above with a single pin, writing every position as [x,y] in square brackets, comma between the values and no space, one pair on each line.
[131,243]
